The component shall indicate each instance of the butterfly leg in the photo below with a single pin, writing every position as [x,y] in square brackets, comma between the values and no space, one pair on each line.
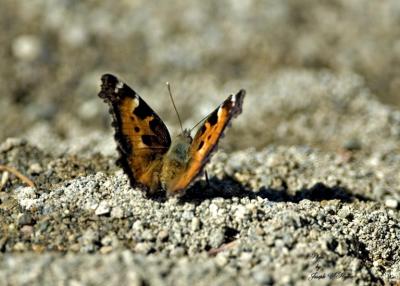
[211,188]
[207,180]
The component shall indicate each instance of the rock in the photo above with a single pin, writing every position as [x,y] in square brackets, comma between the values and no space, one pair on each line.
[25,219]
[195,225]
[35,169]
[26,47]
[391,203]
[26,231]
[106,249]
[216,238]
[117,212]
[163,235]
[143,247]
[103,208]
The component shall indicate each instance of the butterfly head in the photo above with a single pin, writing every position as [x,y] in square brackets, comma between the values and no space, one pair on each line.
[184,137]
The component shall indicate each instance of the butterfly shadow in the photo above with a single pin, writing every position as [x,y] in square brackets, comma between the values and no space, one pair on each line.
[228,188]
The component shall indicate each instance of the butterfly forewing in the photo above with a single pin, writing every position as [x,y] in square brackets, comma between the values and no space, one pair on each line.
[142,137]
[206,140]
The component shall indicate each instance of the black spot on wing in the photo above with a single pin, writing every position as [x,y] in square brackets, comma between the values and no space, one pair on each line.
[203,129]
[143,110]
[154,125]
[150,140]
[213,118]
[137,129]
[157,127]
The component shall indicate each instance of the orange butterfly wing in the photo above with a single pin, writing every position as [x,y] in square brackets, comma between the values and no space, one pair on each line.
[206,139]
[142,137]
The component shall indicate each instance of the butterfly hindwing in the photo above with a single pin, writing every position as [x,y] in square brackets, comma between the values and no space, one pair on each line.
[142,137]
[206,139]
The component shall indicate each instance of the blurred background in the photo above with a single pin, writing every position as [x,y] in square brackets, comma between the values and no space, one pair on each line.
[306,65]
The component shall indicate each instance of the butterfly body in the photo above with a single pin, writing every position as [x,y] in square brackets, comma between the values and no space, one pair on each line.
[147,154]
[179,149]
[175,160]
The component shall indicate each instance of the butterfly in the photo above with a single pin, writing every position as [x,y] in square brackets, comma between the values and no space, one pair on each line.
[146,152]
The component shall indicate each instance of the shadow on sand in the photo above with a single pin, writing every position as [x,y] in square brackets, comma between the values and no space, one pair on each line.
[230,188]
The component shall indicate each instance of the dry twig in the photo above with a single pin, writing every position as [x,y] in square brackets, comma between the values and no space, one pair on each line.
[226,246]
[18,174]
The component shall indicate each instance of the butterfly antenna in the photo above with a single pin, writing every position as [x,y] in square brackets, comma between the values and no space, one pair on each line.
[173,103]
[199,122]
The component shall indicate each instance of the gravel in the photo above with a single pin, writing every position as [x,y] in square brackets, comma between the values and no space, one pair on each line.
[281,215]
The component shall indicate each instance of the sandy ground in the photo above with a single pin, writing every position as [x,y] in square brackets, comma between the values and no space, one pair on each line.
[305,187]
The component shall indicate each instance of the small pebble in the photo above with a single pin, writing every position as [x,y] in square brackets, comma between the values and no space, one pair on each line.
[195,225]
[35,169]
[106,249]
[103,208]
[117,212]
[391,203]
[26,230]
[163,235]
[26,47]
[25,219]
